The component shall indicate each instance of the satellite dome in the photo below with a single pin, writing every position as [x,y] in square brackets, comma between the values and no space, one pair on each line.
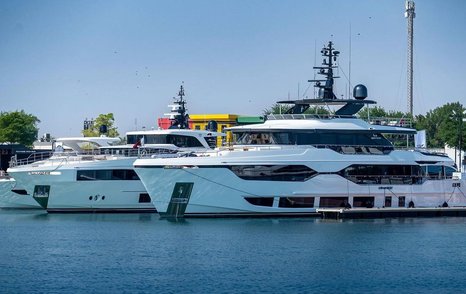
[360,92]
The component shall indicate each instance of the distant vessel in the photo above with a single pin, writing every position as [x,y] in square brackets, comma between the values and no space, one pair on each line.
[98,176]
[296,162]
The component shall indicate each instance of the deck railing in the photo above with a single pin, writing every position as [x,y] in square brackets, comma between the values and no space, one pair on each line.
[384,121]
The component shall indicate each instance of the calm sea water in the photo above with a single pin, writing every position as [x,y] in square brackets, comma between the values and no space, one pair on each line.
[139,253]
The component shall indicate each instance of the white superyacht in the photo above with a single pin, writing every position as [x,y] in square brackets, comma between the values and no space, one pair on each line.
[295,163]
[98,176]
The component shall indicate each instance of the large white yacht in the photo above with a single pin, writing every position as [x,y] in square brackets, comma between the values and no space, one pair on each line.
[295,163]
[98,176]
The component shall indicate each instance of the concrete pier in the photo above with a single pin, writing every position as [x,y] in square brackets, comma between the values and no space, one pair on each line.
[357,213]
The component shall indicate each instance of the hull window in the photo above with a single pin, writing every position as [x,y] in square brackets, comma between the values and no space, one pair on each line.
[401,201]
[333,202]
[383,174]
[260,201]
[20,191]
[107,175]
[367,202]
[296,202]
[175,139]
[388,201]
[144,198]
[287,173]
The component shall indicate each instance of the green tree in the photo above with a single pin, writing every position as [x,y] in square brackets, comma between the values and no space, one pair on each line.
[443,125]
[18,127]
[373,112]
[102,120]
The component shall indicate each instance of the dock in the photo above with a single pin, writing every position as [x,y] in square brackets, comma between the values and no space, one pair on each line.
[361,213]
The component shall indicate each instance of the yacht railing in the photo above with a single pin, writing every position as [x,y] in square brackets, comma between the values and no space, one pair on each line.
[143,152]
[34,157]
[305,116]
[383,121]
[4,175]
[374,179]
[358,149]
[390,121]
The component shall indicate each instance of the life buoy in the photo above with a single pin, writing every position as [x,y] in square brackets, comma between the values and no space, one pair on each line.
[411,204]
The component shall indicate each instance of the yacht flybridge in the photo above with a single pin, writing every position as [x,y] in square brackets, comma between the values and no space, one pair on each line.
[97,175]
[295,163]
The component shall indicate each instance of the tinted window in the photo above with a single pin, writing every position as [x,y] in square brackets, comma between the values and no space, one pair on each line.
[401,201]
[363,202]
[144,198]
[212,141]
[106,175]
[311,138]
[298,173]
[383,174]
[333,201]
[449,172]
[260,201]
[183,141]
[296,202]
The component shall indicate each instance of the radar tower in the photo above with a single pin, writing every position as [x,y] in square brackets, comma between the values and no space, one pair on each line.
[330,56]
[410,15]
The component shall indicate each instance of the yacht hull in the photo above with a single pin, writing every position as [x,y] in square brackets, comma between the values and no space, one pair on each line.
[12,200]
[57,189]
[217,191]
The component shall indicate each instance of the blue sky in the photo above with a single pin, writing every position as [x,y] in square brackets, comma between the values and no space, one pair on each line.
[65,61]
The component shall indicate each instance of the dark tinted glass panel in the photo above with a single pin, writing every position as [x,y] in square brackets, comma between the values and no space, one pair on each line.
[118,174]
[286,173]
[297,202]
[383,174]
[363,202]
[155,139]
[260,201]
[144,198]
[20,191]
[106,174]
[131,139]
[434,172]
[131,175]
[388,201]
[311,138]
[401,201]
[449,172]
[333,201]
[183,141]
[212,141]
[86,175]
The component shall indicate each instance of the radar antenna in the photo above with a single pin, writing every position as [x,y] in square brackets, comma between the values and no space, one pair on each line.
[178,115]
[330,57]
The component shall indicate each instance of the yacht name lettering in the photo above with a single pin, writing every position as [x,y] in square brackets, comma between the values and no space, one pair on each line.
[39,173]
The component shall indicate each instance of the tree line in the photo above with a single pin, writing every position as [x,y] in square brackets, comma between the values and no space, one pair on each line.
[21,127]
